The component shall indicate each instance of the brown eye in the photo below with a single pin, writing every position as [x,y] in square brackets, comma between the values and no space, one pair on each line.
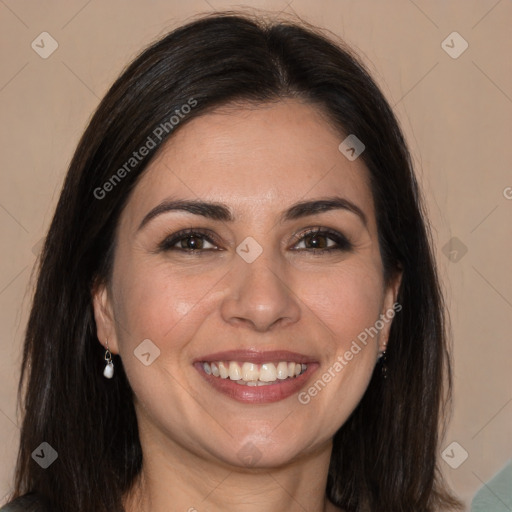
[188,241]
[316,241]
[191,243]
[320,241]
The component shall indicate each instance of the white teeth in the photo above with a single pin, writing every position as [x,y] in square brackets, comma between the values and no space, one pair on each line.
[268,372]
[250,372]
[252,383]
[235,372]
[282,370]
[224,372]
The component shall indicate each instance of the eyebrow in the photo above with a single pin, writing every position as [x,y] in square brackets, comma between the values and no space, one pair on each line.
[221,212]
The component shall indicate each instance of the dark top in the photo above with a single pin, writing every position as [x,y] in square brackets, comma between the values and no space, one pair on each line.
[27,503]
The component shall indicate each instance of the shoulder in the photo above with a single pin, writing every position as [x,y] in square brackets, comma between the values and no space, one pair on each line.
[31,502]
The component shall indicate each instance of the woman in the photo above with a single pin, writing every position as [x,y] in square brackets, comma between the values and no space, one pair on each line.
[237,305]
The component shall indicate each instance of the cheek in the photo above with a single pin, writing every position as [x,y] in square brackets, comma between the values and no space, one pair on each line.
[166,308]
[345,303]
[157,302]
[347,300]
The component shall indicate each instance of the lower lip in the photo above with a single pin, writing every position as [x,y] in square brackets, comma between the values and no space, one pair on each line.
[258,394]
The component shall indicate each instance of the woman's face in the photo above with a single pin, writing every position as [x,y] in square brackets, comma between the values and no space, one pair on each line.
[255,292]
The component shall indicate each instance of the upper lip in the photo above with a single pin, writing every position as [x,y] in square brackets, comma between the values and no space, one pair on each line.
[257,356]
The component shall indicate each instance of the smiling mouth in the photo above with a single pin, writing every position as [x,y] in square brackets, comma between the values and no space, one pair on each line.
[256,376]
[252,374]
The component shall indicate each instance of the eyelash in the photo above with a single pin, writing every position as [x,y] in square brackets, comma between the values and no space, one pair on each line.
[343,243]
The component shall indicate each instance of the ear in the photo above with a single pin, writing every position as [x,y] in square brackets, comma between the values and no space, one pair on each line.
[104,317]
[390,307]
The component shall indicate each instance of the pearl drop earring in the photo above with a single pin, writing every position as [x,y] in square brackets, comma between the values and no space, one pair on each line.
[108,372]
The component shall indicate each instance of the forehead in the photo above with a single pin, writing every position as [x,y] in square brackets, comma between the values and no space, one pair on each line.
[257,159]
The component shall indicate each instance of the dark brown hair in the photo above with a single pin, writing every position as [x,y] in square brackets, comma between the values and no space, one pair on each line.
[385,456]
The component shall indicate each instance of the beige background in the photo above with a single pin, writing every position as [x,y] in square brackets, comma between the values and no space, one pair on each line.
[456,114]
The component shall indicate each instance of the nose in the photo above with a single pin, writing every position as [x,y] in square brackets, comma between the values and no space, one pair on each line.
[260,296]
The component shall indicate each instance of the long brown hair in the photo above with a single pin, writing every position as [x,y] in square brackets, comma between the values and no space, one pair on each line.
[385,456]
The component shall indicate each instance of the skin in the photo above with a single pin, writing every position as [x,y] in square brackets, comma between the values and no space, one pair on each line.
[258,161]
